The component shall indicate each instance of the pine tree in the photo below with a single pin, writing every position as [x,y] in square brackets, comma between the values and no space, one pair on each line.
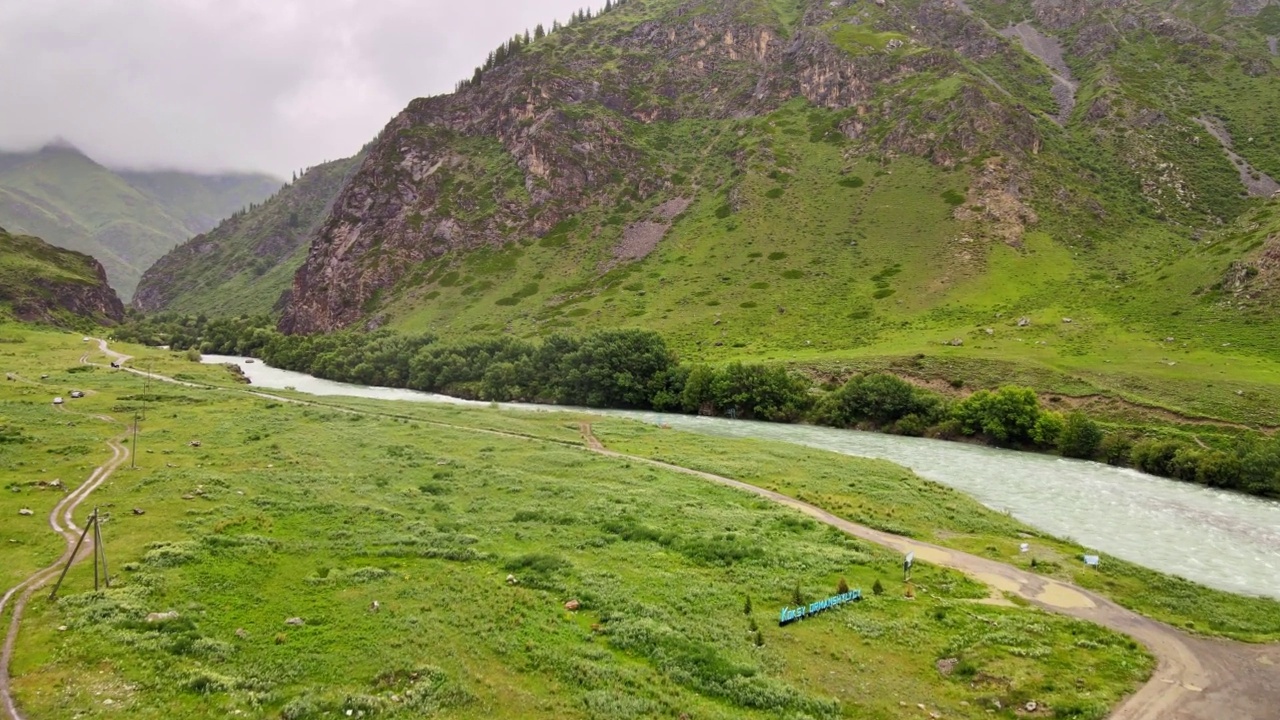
[539,32]
[295,176]
[527,39]
[746,607]
[797,597]
[843,587]
[608,5]
[877,588]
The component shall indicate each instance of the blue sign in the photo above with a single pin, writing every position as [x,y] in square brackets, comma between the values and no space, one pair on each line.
[1091,560]
[790,614]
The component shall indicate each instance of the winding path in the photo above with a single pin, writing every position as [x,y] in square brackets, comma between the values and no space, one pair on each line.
[1195,678]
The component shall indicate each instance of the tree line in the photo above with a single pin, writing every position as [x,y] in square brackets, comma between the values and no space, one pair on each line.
[634,369]
[509,49]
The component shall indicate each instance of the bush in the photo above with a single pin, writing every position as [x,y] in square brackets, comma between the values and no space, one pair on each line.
[1114,449]
[1008,416]
[880,399]
[877,588]
[1080,437]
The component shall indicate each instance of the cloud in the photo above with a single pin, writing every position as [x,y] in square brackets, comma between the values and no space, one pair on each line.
[272,85]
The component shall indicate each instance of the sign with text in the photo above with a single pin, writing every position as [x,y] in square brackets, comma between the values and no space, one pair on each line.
[790,614]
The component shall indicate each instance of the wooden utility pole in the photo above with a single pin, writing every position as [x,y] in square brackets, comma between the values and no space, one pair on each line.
[99,551]
[133,457]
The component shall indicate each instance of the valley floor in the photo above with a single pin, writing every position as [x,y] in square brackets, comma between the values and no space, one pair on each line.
[387,532]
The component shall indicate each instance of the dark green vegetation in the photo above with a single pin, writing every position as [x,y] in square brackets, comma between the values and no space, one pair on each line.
[247,262]
[124,219]
[286,511]
[636,369]
[45,284]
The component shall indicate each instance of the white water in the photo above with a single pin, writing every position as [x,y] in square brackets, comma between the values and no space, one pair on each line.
[1224,540]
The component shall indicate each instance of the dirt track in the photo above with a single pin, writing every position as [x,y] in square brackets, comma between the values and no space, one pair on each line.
[1195,679]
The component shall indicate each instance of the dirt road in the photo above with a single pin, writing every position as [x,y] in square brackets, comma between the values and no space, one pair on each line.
[1195,679]
[61,521]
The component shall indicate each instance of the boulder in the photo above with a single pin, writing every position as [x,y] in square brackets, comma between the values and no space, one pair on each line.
[26,511]
[1024,321]
[572,605]
[161,617]
[511,580]
[139,511]
[295,621]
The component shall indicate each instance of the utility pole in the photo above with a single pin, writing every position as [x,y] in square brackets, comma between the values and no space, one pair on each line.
[146,389]
[133,459]
[99,551]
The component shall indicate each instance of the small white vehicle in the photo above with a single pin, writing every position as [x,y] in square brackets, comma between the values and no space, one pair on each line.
[57,401]
[76,394]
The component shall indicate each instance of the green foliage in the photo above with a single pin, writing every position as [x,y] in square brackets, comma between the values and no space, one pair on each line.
[1080,437]
[1009,415]
[877,588]
[878,399]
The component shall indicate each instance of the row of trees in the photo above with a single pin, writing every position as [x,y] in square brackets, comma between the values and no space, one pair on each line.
[511,48]
[635,369]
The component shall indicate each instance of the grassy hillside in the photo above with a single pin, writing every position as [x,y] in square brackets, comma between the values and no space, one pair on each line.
[849,186]
[42,283]
[247,262]
[286,511]
[125,220]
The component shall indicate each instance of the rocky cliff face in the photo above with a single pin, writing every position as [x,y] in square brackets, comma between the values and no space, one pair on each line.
[557,131]
[44,284]
[670,162]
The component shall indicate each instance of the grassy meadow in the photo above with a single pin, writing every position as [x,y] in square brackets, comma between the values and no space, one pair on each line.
[288,511]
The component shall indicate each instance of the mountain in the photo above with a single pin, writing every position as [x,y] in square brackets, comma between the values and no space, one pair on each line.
[126,219]
[1076,188]
[247,262]
[44,284]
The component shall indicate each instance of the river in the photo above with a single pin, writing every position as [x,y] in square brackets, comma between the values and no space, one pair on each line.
[1224,540]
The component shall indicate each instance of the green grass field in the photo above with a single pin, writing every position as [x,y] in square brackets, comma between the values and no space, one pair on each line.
[288,511]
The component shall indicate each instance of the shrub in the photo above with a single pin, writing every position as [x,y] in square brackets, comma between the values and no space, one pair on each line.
[1080,437]
[1007,416]
[877,588]
[1114,449]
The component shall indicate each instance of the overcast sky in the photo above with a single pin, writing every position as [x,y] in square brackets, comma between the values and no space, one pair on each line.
[270,85]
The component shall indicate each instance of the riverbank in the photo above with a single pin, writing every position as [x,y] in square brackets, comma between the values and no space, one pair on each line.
[635,369]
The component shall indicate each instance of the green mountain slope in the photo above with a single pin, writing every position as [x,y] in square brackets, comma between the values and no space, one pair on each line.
[45,284]
[247,262]
[126,220]
[1040,190]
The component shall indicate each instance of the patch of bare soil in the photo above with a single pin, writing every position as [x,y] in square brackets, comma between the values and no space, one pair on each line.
[641,238]
[1256,182]
[1049,51]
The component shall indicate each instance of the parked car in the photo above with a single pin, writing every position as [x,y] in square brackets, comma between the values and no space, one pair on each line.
[76,394]
[115,364]
[57,401]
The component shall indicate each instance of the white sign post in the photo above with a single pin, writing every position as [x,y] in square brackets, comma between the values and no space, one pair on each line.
[906,566]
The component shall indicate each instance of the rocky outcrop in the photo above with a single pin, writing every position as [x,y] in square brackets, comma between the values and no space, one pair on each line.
[43,284]
[553,132]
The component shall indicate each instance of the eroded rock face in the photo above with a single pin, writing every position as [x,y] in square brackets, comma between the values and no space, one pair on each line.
[528,148]
[55,285]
